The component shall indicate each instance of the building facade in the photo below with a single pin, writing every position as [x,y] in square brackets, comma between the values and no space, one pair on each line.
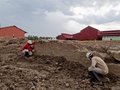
[90,33]
[12,32]
[110,35]
[64,36]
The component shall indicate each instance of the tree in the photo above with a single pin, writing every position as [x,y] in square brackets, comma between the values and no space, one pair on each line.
[32,37]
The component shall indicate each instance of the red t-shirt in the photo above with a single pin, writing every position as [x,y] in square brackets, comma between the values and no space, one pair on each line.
[28,46]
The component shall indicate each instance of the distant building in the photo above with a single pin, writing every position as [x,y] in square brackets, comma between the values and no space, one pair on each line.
[12,32]
[110,35]
[90,33]
[64,36]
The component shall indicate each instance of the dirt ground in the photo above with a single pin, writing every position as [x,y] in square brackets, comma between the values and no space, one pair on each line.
[56,65]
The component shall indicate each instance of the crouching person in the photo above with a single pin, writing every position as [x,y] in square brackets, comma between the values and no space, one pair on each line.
[28,49]
[98,66]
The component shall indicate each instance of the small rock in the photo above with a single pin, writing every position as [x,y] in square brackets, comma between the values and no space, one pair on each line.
[32,88]
[82,85]
[47,62]
[76,83]
[56,76]
[107,79]
[42,84]
[67,84]
[43,80]
[56,63]
[59,68]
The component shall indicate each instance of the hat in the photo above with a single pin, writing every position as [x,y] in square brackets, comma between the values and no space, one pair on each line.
[29,41]
[88,54]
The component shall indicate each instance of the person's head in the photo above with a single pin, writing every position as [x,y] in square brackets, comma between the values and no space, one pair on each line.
[29,42]
[89,55]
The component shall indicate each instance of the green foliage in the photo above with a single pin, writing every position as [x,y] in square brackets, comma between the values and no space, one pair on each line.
[47,38]
[32,37]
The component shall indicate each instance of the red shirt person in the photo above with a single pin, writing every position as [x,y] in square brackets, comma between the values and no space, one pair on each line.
[28,48]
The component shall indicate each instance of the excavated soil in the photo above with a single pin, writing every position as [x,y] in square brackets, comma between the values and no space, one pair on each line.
[55,66]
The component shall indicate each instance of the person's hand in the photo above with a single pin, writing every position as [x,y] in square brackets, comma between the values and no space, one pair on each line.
[90,68]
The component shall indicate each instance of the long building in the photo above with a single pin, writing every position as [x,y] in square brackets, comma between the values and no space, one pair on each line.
[110,35]
[90,33]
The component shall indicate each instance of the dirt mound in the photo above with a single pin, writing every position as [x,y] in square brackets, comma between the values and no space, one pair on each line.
[49,73]
[55,66]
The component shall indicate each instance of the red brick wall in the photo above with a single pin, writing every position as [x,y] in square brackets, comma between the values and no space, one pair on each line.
[11,31]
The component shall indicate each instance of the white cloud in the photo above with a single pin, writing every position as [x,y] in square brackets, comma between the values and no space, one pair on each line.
[82,10]
[52,17]
[55,17]
[107,26]
[73,27]
[86,11]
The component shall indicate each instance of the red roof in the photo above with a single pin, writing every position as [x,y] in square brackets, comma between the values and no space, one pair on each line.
[67,35]
[111,33]
[4,28]
[89,28]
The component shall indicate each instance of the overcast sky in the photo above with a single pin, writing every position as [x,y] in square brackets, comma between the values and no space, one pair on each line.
[53,17]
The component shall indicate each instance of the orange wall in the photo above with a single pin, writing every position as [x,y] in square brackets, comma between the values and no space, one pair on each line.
[9,32]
